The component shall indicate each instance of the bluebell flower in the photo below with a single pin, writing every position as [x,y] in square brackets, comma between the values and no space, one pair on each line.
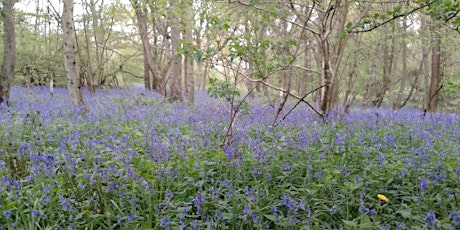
[333,209]
[430,220]
[218,215]
[372,212]
[400,226]
[198,201]
[455,219]
[165,222]
[169,194]
[132,216]
[275,211]
[362,209]
[35,213]
[423,184]
[7,214]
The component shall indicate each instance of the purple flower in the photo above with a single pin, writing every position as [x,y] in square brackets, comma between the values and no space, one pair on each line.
[7,214]
[333,209]
[34,214]
[194,225]
[362,209]
[218,214]
[455,217]
[247,210]
[132,216]
[165,221]
[423,184]
[430,220]
[287,167]
[275,211]
[169,194]
[372,212]
[198,201]
[287,201]
[357,179]
[400,226]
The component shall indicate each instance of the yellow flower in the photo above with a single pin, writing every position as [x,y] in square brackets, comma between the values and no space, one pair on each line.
[382,197]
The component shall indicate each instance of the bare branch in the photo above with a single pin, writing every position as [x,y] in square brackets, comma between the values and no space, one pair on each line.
[392,19]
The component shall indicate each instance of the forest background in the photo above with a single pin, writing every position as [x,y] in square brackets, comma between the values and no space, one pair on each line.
[333,54]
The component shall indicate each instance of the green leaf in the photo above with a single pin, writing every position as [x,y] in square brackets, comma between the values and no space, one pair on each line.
[405,213]
[350,223]
[349,25]
[271,217]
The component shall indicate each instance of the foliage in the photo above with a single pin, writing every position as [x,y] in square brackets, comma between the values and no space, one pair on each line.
[136,162]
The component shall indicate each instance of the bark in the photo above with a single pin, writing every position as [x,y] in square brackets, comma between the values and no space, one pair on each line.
[189,64]
[370,84]
[9,46]
[87,68]
[189,80]
[70,51]
[142,26]
[388,55]
[425,64]
[306,76]
[435,74]
[176,67]
[147,84]
[404,73]
[331,53]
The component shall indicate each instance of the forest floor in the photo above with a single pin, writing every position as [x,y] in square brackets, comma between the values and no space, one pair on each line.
[134,161]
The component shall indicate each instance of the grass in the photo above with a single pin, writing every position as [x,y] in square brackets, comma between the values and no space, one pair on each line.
[137,162]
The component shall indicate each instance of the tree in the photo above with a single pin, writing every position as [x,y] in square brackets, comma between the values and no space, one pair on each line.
[9,55]
[70,51]
[176,67]
[435,72]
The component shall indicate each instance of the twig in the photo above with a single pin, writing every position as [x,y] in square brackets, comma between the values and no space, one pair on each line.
[303,100]
[428,106]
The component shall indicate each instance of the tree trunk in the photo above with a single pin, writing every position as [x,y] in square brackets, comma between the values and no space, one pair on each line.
[404,73]
[425,63]
[387,69]
[9,55]
[142,25]
[176,67]
[372,72]
[435,73]
[70,51]
[189,80]
[189,61]
[147,84]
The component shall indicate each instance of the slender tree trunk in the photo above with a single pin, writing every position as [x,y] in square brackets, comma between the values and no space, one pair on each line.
[306,76]
[9,53]
[176,67]
[189,80]
[425,63]
[326,73]
[404,72]
[142,25]
[70,51]
[189,61]
[387,69]
[435,73]
[147,85]
[373,73]
[87,67]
